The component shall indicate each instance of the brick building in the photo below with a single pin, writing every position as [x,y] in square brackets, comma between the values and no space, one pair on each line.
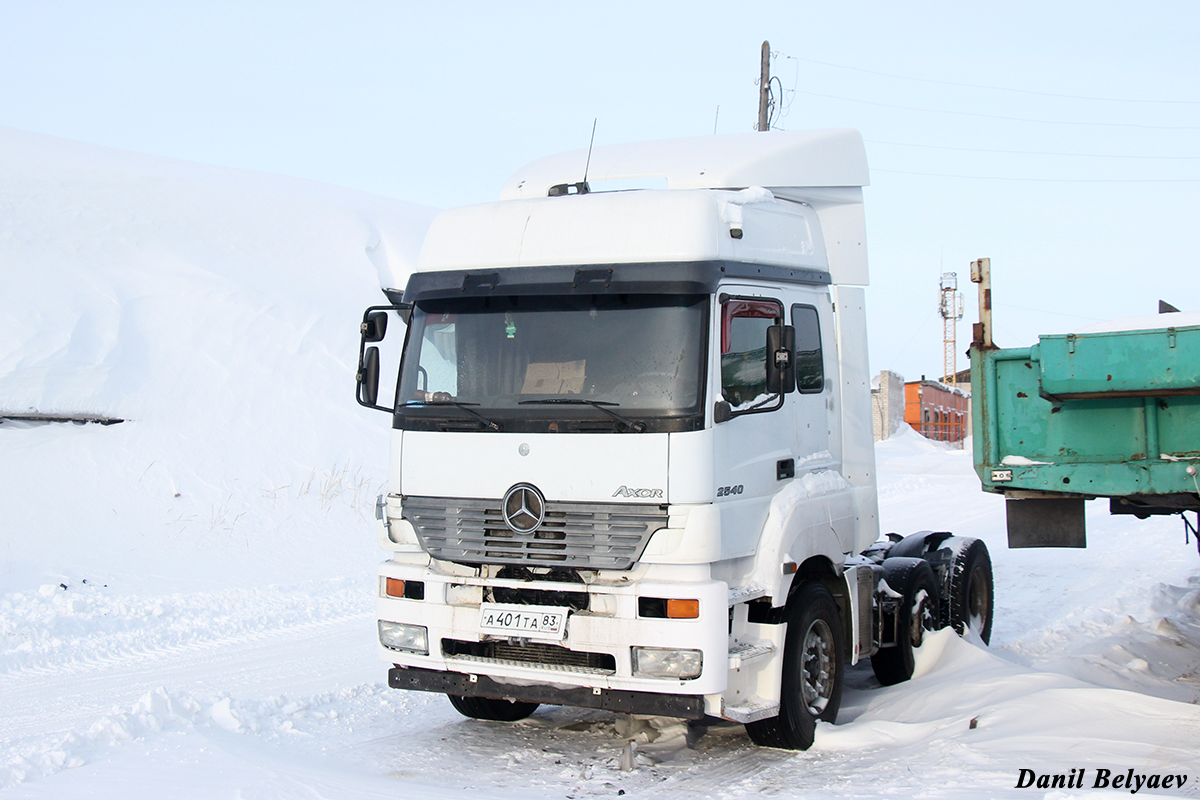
[937,411]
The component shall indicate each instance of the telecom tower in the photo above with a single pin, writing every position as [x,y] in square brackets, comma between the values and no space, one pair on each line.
[950,302]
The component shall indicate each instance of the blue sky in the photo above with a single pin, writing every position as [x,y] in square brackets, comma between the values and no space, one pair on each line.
[1062,139]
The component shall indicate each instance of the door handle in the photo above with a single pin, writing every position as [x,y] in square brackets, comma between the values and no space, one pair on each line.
[785,469]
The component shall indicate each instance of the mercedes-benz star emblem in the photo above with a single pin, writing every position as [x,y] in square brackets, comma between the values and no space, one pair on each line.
[524,508]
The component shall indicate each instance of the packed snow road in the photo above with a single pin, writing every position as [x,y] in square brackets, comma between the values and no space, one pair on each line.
[294,660]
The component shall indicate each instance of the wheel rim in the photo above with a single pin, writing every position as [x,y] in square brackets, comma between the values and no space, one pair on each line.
[818,667]
[977,597]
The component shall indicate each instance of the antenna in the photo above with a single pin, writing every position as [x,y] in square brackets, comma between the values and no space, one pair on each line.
[591,142]
[560,189]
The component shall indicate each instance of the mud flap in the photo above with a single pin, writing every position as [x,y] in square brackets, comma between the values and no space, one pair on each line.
[1046,522]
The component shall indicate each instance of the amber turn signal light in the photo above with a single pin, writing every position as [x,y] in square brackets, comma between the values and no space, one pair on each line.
[409,590]
[683,609]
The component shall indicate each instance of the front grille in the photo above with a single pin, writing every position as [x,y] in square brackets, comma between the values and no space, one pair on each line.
[544,656]
[574,535]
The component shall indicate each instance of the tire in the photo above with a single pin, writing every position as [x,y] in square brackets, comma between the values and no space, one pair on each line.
[971,590]
[918,613]
[813,665]
[492,709]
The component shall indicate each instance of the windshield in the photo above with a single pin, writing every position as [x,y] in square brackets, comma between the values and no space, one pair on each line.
[530,362]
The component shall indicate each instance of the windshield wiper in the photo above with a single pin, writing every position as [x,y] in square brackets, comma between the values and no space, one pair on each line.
[464,406]
[599,405]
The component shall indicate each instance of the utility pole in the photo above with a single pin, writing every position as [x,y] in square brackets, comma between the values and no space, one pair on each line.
[764,88]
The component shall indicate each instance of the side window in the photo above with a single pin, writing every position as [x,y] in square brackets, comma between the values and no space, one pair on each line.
[439,359]
[810,366]
[744,324]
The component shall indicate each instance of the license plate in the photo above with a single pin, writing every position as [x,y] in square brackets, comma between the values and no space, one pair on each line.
[529,622]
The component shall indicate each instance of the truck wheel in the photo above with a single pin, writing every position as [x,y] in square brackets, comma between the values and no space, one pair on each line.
[918,613]
[490,708]
[971,592]
[811,684]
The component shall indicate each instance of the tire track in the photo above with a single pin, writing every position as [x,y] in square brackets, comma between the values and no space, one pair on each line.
[299,659]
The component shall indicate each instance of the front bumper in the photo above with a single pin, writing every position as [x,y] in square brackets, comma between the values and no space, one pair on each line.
[616,700]
[592,667]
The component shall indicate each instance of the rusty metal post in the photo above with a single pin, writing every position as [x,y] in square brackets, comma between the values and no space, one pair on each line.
[981,273]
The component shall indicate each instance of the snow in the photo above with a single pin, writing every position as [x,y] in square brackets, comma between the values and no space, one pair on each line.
[750,196]
[1021,461]
[186,598]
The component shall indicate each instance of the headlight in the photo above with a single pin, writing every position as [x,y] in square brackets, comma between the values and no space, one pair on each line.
[409,638]
[658,662]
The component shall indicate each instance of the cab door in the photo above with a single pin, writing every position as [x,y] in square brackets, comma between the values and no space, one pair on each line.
[753,438]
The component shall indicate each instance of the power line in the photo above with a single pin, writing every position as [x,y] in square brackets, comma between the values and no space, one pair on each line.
[997,88]
[1044,311]
[786,96]
[1036,180]
[1010,119]
[1027,152]
[775,104]
[916,331]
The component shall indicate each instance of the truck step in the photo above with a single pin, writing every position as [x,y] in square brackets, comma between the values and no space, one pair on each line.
[754,709]
[742,652]
[744,594]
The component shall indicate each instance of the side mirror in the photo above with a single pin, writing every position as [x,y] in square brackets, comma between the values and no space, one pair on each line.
[781,371]
[722,411]
[368,378]
[374,326]
[372,329]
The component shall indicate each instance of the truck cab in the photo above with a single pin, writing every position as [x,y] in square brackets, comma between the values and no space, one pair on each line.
[632,465]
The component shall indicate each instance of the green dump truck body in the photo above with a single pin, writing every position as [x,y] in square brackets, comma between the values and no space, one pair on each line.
[1112,414]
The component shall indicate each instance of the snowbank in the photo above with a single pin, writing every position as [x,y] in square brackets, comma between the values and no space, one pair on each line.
[214,310]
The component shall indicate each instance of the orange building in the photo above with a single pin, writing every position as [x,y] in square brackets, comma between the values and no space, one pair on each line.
[937,411]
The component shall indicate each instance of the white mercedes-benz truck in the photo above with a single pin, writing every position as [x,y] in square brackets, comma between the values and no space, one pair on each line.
[632,464]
